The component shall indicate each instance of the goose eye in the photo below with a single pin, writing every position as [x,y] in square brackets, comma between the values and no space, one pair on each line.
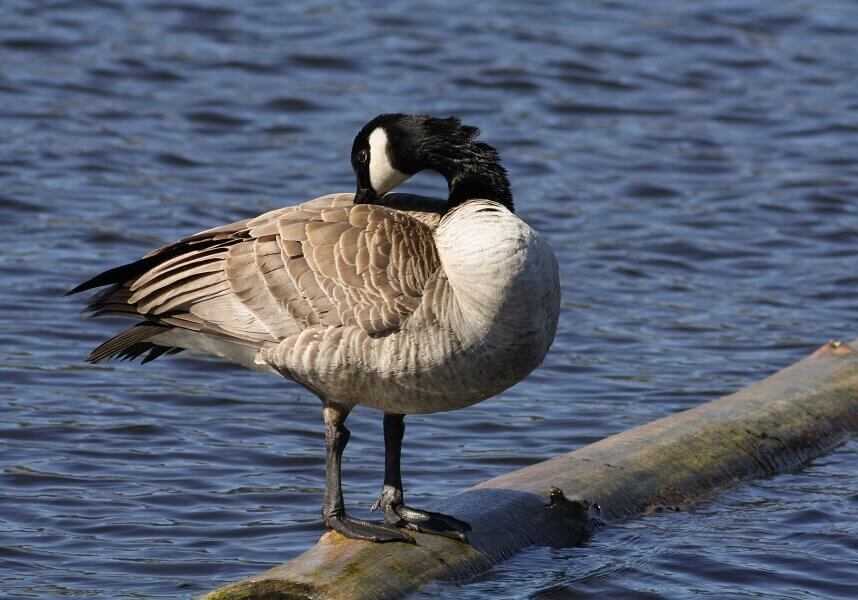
[362,156]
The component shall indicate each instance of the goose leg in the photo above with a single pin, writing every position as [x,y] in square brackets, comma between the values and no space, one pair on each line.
[333,509]
[393,508]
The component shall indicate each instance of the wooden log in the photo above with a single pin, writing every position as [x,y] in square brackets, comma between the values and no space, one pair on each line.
[772,426]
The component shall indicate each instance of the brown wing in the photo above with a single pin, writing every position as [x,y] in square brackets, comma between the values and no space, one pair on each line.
[325,262]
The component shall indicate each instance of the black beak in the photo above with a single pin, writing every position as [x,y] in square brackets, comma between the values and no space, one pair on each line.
[365,195]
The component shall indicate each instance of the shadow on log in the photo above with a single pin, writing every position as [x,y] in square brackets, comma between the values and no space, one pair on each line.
[769,427]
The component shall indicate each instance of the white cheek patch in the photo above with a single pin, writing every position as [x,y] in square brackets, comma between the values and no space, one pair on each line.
[382,176]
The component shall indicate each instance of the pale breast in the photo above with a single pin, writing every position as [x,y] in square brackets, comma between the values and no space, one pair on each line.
[484,322]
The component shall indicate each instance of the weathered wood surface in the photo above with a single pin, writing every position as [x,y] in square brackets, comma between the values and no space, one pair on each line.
[772,426]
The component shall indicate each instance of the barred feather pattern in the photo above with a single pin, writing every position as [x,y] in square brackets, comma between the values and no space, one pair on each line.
[391,305]
[259,280]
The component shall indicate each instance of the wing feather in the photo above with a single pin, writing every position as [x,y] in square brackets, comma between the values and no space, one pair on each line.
[324,262]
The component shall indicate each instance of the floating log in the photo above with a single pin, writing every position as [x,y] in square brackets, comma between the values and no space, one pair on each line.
[769,427]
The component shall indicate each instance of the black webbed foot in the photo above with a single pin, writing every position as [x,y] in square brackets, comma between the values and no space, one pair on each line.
[369,531]
[426,521]
[398,514]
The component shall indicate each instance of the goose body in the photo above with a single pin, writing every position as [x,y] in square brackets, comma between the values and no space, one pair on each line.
[440,313]
[406,304]
[481,325]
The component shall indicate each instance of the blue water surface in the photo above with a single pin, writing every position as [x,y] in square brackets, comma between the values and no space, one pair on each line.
[693,165]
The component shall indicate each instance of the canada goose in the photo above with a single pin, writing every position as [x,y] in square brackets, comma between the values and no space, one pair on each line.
[403,303]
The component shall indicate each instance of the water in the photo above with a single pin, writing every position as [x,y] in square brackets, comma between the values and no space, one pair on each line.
[693,167]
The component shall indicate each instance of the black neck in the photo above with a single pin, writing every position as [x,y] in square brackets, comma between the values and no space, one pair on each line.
[472,168]
[489,183]
[472,171]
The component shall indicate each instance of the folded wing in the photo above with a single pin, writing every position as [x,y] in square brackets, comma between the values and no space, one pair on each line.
[326,262]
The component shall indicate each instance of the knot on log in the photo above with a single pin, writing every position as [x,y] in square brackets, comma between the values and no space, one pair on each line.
[574,519]
[835,347]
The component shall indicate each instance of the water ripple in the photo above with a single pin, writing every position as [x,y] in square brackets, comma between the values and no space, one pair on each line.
[691,164]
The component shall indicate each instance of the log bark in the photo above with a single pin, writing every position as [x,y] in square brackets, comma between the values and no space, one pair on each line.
[769,427]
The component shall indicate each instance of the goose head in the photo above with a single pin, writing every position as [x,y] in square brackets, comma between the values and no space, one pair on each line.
[393,147]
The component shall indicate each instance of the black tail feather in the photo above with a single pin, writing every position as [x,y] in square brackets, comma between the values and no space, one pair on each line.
[116,275]
[124,273]
[157,351]
[131,343]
